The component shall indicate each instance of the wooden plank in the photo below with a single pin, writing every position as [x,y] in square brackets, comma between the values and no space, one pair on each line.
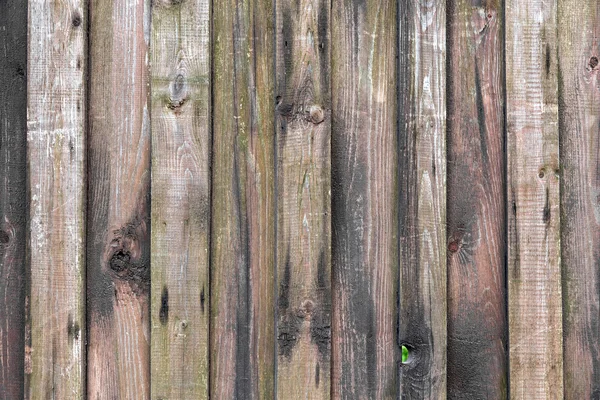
[118,224]
[534,280]
[364,199]
[180,199]
[579,118]
[13,206]
[56,109]
[242,330]
[303,105]
[477,331]
[422,160]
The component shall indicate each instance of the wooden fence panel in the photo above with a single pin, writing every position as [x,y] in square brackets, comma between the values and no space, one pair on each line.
[13,206]
[579,118]
[56,113]
[180,199]
[477,339]
[534,279]
[303,107]
[118,218]
[364,199]
[243,201]
[422,205]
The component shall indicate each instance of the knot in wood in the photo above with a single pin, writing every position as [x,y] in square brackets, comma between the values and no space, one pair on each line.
[316,114]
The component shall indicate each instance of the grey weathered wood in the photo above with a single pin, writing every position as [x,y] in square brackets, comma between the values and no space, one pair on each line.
[303,199]
[242,337]
[477,331]
[364,199]
[579,118]
[180,199]
[534,274]
[118,223]
[56,107]
[13,207]
[422,205]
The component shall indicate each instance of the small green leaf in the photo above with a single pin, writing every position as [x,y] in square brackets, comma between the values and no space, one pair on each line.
[404,354]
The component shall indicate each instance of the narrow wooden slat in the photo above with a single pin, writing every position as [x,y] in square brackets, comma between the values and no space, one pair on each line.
[55,303]
[118,223]
[13,206]
[242,333]
[180,198]
[422,160]
[364,199]
[303,200]
[477,332]
[579,118]
[534,280]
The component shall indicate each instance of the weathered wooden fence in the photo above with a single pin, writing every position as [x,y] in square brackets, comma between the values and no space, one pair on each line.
[257,199]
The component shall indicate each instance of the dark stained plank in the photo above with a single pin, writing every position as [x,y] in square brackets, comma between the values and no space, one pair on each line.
[242,328]
[534,273]
[477,331]
[13,206]
[303,199]
[422,205]
[118,223]
[56,110]
[579,119]
[180,199]
[364,199]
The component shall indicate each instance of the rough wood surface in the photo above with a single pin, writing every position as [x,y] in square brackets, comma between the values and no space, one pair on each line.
[579,118]
[364,199]
[242,338]
[13,206]
[118,219]
[422,215]
[56,109]
[180,198]
[534,279]
[303,107]
[477,331]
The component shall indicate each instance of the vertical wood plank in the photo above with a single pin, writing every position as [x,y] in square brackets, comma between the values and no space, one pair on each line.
[303,199]
[56,107]
[242,337]
[364,199]
[477,331]
[579,118]
[534,280]
[180,198]
[13,202]
[422,127]
[118,223]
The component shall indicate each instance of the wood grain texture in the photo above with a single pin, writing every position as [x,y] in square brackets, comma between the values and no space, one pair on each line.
[534,279]
[303,199]
[476,247]
[180,199]
[56,109]
[579,118]
[13,202]
[118,223]
[422,160]
[242,338]
[364,199]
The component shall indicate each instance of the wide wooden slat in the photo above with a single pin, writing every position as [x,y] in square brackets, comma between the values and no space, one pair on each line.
[477,332]
[579,118]
[180,198]
[364,199]
[534,279]
[303,106]
[13,206]
[242,334]
[118,219]
[56,107]
[422,160]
